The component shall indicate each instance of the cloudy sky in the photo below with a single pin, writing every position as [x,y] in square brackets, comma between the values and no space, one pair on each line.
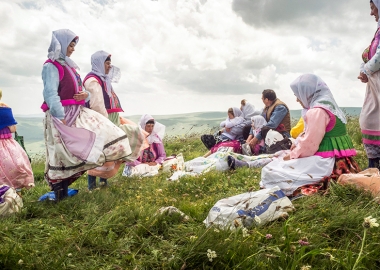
[180,56]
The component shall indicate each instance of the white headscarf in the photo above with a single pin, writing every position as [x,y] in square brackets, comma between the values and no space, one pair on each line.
[237,112]
[97,63]
[60,40]
[158,132]
[248,110]
[312,91]
[259,121]
[377,4]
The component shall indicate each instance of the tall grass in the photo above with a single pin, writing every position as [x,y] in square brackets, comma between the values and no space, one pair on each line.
[118,228]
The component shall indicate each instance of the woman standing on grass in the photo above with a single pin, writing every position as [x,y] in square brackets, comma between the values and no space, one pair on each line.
[105,101]
[77,138]
[15,169]
[370,114]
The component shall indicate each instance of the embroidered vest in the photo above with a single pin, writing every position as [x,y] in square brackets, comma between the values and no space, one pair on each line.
[112,102]
[70,83]
[269,110]
[336,142]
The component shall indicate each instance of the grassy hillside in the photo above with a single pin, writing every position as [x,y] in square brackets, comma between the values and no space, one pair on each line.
[117,227]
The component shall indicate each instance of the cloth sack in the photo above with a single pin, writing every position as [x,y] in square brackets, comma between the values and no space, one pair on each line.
[246,149]
[368,180]
[10,201]
[275,141]
[173,163]
[249,209]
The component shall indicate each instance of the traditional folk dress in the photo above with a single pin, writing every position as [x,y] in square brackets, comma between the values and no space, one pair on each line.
[15,169]
[88,139]
[370,114]
[323,150]
[155,152]
[105,101]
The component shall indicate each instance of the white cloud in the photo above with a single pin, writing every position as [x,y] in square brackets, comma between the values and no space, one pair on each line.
[179,56]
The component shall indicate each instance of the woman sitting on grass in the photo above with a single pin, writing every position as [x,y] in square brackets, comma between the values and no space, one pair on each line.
[323,150]
[152,157]
[232,129]
[258,122]
[15,169]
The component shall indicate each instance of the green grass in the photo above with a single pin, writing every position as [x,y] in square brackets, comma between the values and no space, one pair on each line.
[116,227]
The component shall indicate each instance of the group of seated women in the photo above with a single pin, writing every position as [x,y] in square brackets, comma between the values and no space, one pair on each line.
[322,150]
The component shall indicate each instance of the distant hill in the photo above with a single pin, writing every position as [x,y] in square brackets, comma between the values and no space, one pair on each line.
[31,127]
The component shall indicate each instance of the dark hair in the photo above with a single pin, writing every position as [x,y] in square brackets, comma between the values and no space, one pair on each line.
[151,121]
[269,94]
[74,40]
[108,58]
[231,111]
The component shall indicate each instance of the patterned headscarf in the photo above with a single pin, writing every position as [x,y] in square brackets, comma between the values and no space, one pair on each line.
[97,63]
[158,132]
[60,40]
[312,91]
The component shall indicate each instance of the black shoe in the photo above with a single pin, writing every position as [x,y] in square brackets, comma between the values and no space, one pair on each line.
[61,190]
[231,162]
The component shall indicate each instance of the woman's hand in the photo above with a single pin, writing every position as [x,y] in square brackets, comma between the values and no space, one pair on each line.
[253,142]
[152,163]
[80,96]
[287,157]
[12,128]
[293,146]
[363,77]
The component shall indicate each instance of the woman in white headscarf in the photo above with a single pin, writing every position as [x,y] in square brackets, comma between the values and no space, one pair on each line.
[105,101]
[369,74]
[257,122]
[232,129]
[150,158]
[77,138]
[324,150]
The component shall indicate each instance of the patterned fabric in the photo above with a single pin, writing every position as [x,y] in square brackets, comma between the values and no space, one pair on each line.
[111,144]
[5,133]
[15,169]
[344,165]
[372,150]
[148,155]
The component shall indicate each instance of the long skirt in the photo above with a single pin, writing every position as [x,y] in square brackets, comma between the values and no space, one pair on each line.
[289,175]
[137,142]
[88,140]
[15,169]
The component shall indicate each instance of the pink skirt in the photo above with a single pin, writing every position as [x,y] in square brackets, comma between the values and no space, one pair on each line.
[15,169]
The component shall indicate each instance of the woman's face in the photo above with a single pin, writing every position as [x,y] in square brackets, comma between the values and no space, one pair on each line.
[107,66]
[299,101]
[231,116]
[374,11]
[149,128]
[70,49]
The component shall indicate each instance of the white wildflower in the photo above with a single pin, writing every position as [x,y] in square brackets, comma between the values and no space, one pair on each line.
[245,232]
[211,254]
[370,222]
[20,261]
[69,255]
[216,230]
[257,219]
[305,267]
[193,238]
